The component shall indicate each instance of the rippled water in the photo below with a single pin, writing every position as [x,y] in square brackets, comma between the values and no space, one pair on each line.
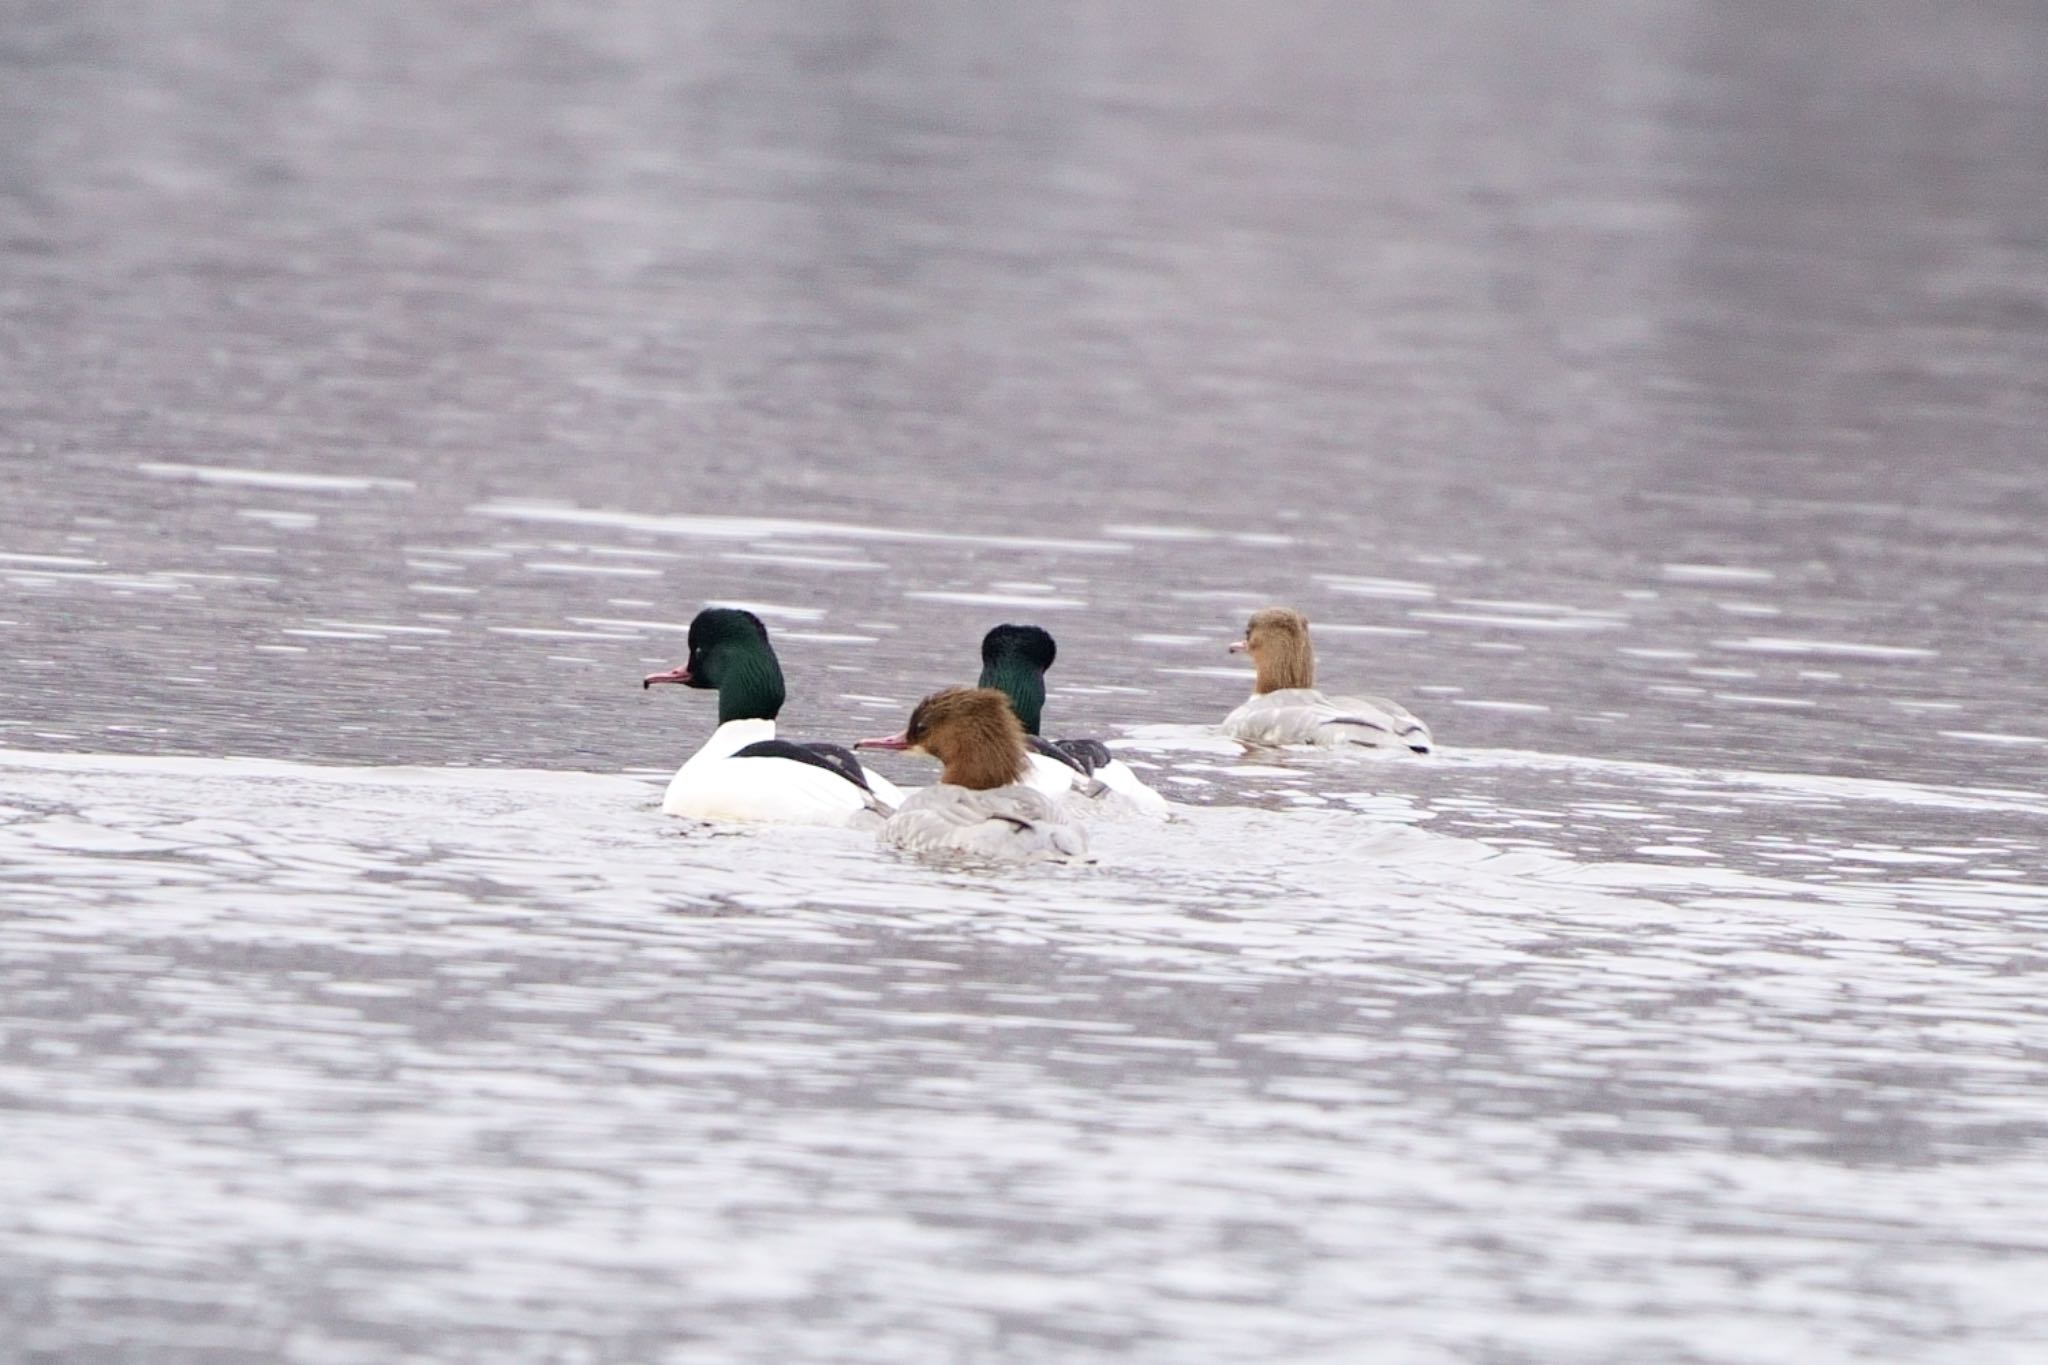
[338,1061]
[1651,395]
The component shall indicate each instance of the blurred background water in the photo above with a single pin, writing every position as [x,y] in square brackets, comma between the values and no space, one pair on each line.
[1651,395]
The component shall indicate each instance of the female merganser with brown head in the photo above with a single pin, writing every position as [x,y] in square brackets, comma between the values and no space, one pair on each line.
[980,805]
[1013,661]
[744,772]
[1286,708]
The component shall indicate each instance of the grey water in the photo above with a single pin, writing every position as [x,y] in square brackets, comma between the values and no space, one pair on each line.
[1650,395]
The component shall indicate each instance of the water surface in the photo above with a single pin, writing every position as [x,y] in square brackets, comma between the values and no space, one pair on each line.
[1651,395]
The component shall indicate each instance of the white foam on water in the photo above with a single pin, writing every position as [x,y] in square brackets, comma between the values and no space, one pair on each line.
[997,599]
[1196,739]
[383,628]
[1716,573]
[272,478]
[1819,785]
[1673,851]
[1137,531]
[1520,607]
[550,633]
[1240,675]
[1397,589]
[769,528]
[555,566]
[1506,621]
[632,623]
[1836,649]
[1994,737]
[479,552]
[282,520]
[796,561]
[51,561]
[621,551]
[774,611]
[1343,628]
[1758,699]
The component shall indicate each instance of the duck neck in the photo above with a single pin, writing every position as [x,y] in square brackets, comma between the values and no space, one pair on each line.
[984,769]
[749,687]
[984,752]
[1023,683]
[1285,664]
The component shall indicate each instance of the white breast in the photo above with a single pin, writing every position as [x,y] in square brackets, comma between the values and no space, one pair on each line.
[887,792]
[1008,824]
[1049,777]
[1124,790]
[1302,715]
[713,785]
[1112,790]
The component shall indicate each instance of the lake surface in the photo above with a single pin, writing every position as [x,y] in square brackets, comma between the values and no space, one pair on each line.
[1650,395]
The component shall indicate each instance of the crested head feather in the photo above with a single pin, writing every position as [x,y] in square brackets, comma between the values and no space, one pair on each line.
[1277,640]
[729,650]
[1030,643]
[974,733]
[1014,660]
[720,625]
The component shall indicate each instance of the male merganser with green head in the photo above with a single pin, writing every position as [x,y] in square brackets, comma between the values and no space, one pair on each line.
[1013,661]
[744,772]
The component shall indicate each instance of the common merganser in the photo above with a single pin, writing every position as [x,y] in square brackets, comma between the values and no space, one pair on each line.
[1285,707]
[980,805]
[744,772]
[1013,661]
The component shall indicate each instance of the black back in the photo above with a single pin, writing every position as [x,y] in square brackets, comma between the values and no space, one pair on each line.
[1084,756]
[1088,754]
[831,757]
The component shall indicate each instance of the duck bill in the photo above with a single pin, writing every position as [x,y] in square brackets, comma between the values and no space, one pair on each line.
[1239,646]
[901,741]
[674,675]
